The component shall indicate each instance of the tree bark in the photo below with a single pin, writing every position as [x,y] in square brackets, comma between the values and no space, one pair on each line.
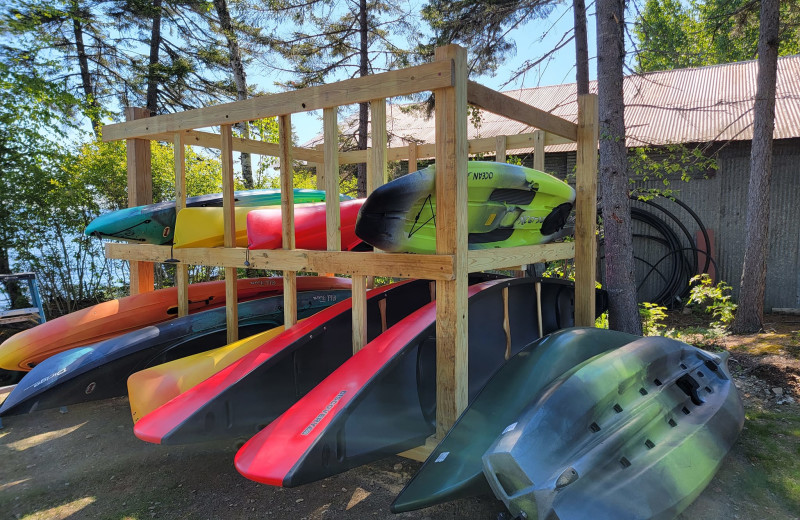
[750,314]
[623,312]
[240,78]
[152,64]
[581,47]
[83,65]
[363,108]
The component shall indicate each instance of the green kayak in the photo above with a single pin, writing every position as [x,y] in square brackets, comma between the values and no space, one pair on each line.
[454,469]
[508,205]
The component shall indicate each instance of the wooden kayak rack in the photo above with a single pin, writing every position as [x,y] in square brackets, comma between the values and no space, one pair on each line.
[446,77]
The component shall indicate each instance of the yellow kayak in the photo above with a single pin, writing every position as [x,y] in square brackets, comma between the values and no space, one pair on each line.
[203,227]
[152,387]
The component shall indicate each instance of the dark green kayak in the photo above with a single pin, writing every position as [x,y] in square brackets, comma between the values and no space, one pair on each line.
[454,469]
[634,433]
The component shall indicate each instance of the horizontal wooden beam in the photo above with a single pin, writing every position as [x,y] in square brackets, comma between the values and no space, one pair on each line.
[211,140]
[500,258]
[397,265]
[390,84]
[500,104]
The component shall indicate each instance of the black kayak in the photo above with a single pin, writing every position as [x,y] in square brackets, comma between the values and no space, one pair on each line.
[383,400]
[100,371]
[634,433]
[454,468]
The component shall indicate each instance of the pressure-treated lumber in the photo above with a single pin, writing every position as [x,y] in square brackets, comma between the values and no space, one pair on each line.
[586,210]
[538,150]
[506,106]
[377,173]
[500,148]
[506,257]
[390,84]
[452,361]
[330,129]
[140,192]
[287,214]
[396,265]
[412,157]
[229,229]
[359,299]
[181,270]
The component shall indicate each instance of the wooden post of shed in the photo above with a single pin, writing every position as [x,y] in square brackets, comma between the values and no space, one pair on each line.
[181,269]
[500,147]
[451,239]
[287,214]
[413,154]
[586,210]
[140,192]
[229,223]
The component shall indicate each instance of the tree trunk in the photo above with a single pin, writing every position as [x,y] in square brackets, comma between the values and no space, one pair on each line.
[363,108]
[240,78]
[623,312]
[581,47]
[83,65]
[155,44]
[750,314]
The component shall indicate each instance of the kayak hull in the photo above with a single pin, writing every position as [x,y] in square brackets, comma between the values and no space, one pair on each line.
[652,419]
[30,347]
[100,371]
[508,205]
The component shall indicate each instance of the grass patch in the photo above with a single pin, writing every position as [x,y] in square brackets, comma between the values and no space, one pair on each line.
[771,443]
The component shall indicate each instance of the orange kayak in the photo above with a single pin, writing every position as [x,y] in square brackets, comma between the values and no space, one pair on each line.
[112,318]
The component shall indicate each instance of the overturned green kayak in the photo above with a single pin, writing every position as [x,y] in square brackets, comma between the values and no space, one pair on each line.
[634,433]
[454,469]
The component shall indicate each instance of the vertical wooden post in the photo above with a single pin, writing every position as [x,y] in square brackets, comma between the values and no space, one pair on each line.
[451,239]
[181,269]
[378,158]
[500,145]
[140,192]
[229,223]
[413,155]
[538,150]
[586,210]
[330,129]
[287,214]
[359,292]
[320,167]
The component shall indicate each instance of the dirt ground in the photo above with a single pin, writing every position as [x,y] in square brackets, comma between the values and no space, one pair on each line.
[86,463]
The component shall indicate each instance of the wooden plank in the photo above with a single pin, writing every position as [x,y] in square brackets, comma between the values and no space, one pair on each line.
[287,214]
[506,323]
[501,258]
[390,84]
[586,211]
[516,110]
[421,453]
[181,270]
[211,140]
[451,208]
[229,228]
[412,157]
[320,167]
[330,131]
[538,150]
[500,148]
[140,192]
[378,155]
[359,299]
[396,265]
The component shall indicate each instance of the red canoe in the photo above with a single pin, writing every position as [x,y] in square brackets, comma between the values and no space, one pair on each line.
[264,229]
[112,318]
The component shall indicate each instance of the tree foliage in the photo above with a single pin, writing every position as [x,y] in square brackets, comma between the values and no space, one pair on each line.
[672,34]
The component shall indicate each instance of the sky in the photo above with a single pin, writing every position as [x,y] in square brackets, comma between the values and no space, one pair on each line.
[532,41]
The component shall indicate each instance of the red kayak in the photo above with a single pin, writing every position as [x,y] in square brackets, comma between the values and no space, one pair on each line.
[264,229]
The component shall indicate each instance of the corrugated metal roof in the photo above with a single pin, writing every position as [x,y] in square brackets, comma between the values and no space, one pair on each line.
[702,104]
